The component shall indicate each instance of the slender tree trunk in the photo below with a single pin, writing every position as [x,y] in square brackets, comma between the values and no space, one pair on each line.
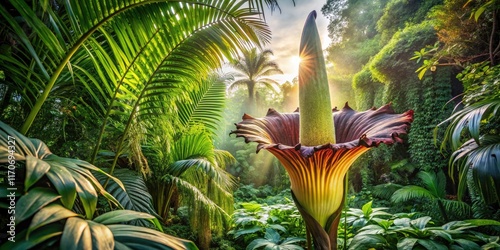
[492,38]
[251,109]
[204,231]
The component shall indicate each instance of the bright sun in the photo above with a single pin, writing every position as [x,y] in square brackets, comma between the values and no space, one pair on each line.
[295,61]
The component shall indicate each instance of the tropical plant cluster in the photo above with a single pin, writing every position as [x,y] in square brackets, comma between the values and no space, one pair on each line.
[114,123]
[124,92]
[440,59]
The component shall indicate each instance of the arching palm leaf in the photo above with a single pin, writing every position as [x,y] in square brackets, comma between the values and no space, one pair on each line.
[407,193]
[482,158]
[385,191]
[196,151]
[480,153]
[204,105]
[468,119]
[188,188]
[53,41]
[135,196]
[175,57]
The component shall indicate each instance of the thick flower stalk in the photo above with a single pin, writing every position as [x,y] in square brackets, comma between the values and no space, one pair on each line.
[318,167]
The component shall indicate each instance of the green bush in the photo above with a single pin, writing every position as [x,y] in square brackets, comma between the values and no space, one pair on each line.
[374,228]
[253,221]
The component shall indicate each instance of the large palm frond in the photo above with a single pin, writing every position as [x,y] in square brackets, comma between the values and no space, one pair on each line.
[204,105]
[181,53]
[469,119]
[60,35]
[433,187]
[199,174]
[480,152]
[135,196]
[482,159]
[411,192]
[196,151]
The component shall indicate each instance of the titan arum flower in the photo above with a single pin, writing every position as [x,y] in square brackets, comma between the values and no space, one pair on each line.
[318,145]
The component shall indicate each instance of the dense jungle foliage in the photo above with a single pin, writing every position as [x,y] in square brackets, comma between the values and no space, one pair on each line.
[115,116]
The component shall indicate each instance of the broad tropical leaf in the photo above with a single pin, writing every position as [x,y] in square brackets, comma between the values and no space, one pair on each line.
[48,216]
[132,237]
[135,196]
[433,188]
[55,224]
[272,240]
[32,201]
[483,162]
[69,177]
[479,152]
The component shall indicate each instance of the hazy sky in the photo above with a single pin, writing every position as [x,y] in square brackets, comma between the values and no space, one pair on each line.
[286,30]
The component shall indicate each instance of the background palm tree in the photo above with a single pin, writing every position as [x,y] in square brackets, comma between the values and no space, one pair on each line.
[254,69]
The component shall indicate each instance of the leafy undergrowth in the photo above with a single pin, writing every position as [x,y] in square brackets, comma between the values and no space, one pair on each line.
[265,218]
[266,221]
[376,228]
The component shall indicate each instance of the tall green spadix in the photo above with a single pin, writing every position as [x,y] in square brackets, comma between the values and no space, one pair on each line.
[316,120]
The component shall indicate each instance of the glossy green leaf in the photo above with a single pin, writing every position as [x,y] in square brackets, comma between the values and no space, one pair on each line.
[143,238]
[467,244]
[421,222]
[443,234]
[119,216]
[84,234]
[367,241]
[49,214]
[407,243]
[246,231]
[135,196]
[41,235]
[35,169]
[32,201]
[64,183]
[102,237]
[367,208]
[483,222]
[429,244]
